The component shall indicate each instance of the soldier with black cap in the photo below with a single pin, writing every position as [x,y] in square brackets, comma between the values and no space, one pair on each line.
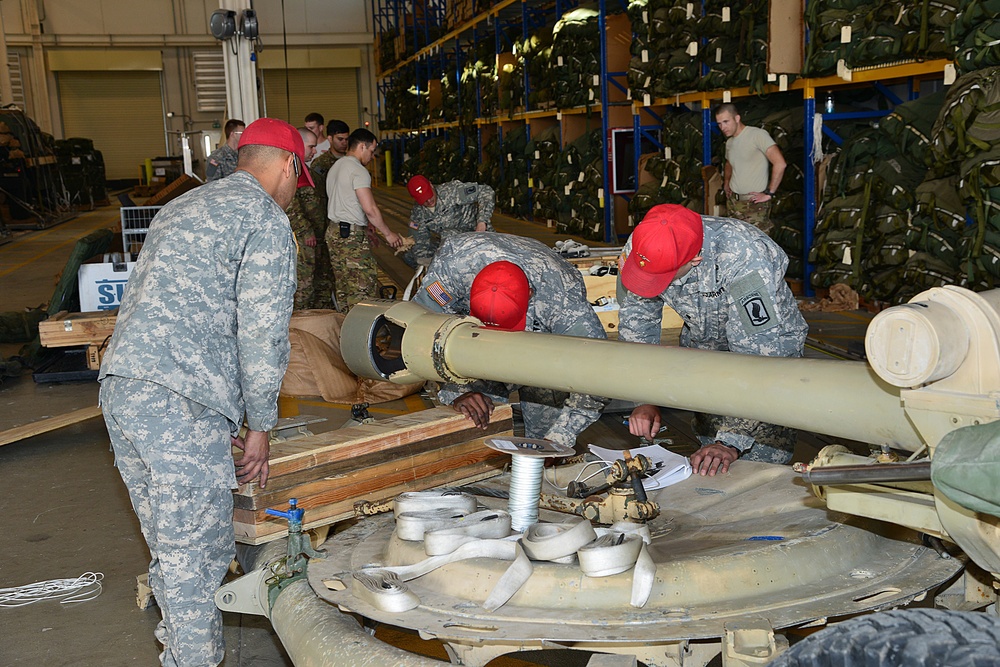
[199,349]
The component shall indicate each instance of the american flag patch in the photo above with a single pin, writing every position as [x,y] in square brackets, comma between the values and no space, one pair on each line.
[439,294]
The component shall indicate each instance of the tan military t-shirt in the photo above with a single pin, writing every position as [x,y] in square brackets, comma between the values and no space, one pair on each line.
[746,153]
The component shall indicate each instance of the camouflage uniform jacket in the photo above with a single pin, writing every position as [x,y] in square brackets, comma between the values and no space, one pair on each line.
[558,306]
[206,310]
[306,214]
[320,167]
[459,208]
[735,300]
[221,163]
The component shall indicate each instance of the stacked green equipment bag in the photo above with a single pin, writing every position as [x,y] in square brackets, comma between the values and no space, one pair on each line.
[975,34]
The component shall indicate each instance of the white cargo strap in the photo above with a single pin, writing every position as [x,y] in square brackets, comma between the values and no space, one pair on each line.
[383,590]
[609,554]
[422,501]
[556,542]
[486,524]
[411,526]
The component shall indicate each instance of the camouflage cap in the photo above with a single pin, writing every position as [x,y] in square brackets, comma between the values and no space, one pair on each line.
[279,134]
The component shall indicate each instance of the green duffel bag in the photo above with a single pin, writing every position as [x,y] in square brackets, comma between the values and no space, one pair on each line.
[969,122]
[910,124]
[966,467]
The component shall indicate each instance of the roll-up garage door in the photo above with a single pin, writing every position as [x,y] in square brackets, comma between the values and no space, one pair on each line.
[332,92]
[121,111]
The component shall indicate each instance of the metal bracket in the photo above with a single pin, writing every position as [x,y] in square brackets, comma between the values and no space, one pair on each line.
[246,595]
[751,643]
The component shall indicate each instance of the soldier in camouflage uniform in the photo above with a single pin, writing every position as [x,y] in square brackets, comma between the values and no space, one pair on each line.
[201,344]
[445,210]
[307,217]
[222,161]
[351,210]
[750,153]
[460,280]
[323,287]
[726,280]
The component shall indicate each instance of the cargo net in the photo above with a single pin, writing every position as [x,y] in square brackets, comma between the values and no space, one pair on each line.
[135,225]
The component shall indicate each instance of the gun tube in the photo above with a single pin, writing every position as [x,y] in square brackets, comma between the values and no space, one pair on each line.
[839,398]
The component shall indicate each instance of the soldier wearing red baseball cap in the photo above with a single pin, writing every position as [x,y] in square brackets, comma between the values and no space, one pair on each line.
[726,279]
[443,211]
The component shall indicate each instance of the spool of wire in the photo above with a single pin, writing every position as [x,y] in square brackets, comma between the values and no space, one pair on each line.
[525,489]
[528,460]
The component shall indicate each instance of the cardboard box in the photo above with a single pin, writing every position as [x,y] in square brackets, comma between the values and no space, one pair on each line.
[102,281]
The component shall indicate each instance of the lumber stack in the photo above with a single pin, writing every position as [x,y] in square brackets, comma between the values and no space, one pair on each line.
[328,473]
[66,329]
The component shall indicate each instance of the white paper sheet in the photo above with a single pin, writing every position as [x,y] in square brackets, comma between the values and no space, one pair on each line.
[673,467]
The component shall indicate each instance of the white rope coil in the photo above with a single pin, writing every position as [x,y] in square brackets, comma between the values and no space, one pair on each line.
[84,588]
[525,489]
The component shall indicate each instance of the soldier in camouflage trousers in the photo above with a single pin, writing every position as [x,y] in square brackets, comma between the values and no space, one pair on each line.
[351,211]
[754,168]
[551,299]
[323,286]
[307,216]
[200,346]
[726,281]
[445,210]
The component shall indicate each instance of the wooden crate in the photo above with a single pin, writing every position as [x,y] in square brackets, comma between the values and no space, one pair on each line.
[66,329]
[330,472]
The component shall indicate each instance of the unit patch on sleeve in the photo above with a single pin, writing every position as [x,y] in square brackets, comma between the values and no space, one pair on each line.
[439,294]
[754,303]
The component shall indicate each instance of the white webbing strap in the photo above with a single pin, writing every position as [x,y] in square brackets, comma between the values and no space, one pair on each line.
[556,542]
[483,525]
[609,554]
[422,501]
[383,590]
[411,526]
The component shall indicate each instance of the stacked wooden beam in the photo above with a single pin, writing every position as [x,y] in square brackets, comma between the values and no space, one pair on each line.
[66,329]
[328,473]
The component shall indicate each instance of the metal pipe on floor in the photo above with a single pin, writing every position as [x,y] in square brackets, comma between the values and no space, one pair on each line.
[316,633]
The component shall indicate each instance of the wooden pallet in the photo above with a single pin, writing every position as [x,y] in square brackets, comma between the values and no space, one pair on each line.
[330,472]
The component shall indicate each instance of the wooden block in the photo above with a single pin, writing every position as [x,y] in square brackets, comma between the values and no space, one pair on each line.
[172,191]
[71,329]
[384,434]
[248,532]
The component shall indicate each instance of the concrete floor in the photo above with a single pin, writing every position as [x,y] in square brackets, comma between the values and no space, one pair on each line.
[65,510]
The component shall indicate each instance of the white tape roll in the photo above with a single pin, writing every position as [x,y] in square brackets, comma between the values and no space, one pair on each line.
[384,590]
[556,542]
[421,501]
[610,554]
[484,525]
[411,526]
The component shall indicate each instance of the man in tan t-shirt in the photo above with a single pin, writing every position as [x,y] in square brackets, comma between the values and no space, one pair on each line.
[750,155]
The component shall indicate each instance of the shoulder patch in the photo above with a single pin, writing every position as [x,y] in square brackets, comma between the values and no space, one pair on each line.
[754,303]
[213,162]
[439,293]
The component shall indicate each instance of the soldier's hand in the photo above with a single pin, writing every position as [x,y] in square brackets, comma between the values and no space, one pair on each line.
[476,407]
[714,458]
[644,421]
[253,464]
[394,239]
[311,241]
[373,240]
[481,227]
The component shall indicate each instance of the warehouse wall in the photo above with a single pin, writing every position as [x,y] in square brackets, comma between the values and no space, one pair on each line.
[46,37]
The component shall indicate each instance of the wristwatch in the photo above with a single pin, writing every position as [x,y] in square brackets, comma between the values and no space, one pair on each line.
[768,193]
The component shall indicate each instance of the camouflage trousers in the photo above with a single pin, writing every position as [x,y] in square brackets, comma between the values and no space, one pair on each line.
[305,266]
[757,214]
[540,408]
[772,443]
[355,275]
[174,456]
[322,277]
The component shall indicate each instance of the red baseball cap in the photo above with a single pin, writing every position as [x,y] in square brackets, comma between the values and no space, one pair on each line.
[668,237]
[499,297]
[279,134]
[420,189]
